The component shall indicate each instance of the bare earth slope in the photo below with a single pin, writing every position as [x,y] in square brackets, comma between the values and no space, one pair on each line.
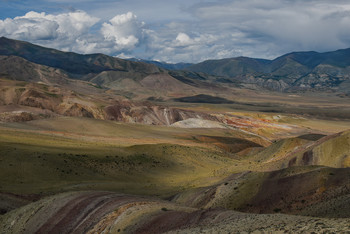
[103,161]
[314,191]
[105,212]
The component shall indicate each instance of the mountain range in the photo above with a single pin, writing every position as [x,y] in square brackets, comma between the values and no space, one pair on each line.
[293,72]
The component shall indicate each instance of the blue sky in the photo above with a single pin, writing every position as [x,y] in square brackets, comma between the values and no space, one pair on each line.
[180,31]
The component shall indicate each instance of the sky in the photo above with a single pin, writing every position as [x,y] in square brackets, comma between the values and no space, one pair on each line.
[180,31]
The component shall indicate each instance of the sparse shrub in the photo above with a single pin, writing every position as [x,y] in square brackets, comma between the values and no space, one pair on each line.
[276,210]
[164,209]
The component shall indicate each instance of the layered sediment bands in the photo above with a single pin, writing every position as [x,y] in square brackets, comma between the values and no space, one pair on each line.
[61,101]
[84,212]
[106,212]
[307,190]
[66,213]
[331,151]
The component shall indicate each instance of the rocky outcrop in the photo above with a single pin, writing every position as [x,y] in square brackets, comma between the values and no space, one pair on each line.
[16,116]
[147,113]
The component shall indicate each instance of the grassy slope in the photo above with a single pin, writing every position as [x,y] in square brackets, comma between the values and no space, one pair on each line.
[51,156]
[93,154]
[331,151]
[308,190]
[63,154]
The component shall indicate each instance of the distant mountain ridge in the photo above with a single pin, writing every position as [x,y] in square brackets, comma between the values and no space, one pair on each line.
[292,72]
[68,61]
[310,59]
[165,65]
[97,68]
[122,79]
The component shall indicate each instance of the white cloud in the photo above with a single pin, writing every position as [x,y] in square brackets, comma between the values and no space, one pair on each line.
[183,39]
[179,47]
[272,27]
[73,31]
[189,30]
[30,29]
[125,30]
[264,29]
[41,26]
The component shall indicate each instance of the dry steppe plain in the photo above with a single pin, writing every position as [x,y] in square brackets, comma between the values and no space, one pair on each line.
[250,171]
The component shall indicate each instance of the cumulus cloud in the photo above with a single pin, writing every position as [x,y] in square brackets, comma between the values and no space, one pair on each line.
[198,30]
[125,30]
[73,31]
[183,39]
[41,26]
[31,29]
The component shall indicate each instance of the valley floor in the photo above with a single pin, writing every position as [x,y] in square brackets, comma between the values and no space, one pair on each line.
[261,172]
